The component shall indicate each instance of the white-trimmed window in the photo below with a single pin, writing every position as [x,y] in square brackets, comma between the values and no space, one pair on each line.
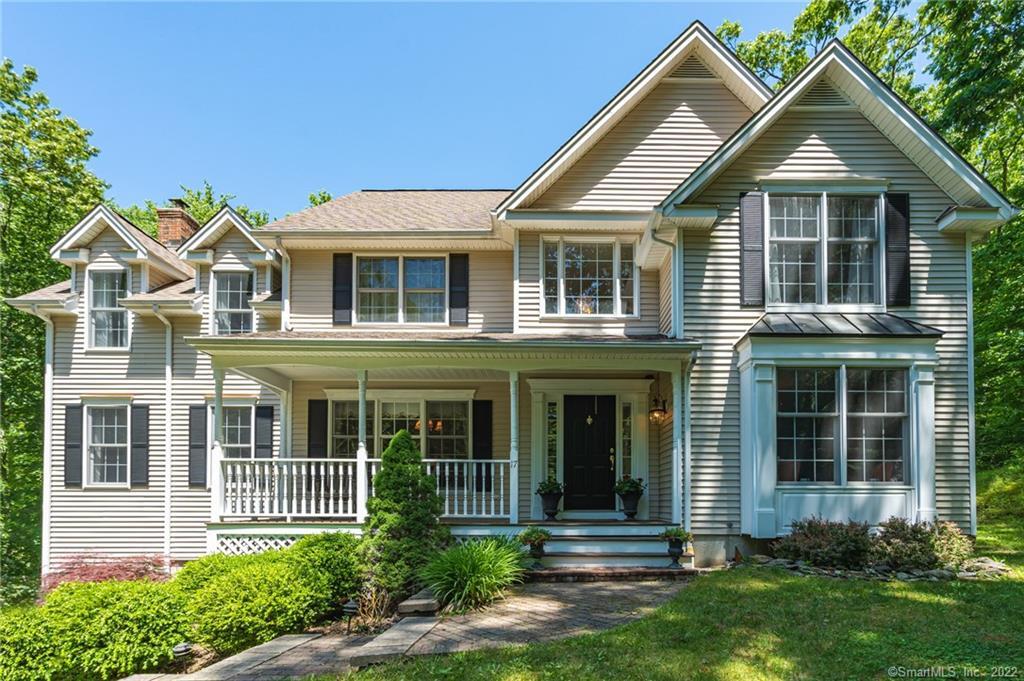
[238,438]
[443,434]
[107,444]
[345,428]
[447,429]
[824,249]
[232,312]
[108,321]
[401,289]
[589,277]
[841,424]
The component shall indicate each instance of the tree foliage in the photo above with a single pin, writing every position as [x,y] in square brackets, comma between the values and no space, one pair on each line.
[319,197]
[203,203]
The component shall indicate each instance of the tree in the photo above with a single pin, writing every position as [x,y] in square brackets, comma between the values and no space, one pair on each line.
[320,197]
[45,188]
[203,203]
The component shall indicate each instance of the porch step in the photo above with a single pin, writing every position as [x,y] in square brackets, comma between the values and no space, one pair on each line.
[610,559]
[609,574]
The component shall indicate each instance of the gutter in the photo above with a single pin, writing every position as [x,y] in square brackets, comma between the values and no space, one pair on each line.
[47,435]
[168,387]
[286,285]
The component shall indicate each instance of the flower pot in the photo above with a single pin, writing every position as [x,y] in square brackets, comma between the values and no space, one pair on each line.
[549,501]
[630,501]
[675,549]
[537,552]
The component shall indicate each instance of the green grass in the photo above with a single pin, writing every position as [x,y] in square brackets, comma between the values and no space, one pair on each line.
[771,624]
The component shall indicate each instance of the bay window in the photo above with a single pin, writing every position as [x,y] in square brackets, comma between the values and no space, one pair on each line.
[107,319]
[400,289]
[823,248]
[232,312]
[107,445]
[588,277]
[848,419]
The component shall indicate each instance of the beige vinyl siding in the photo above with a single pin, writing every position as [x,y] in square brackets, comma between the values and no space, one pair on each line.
[130,521]
[665,299]
[800,144]
[490,291]
[647,154]
[530,320]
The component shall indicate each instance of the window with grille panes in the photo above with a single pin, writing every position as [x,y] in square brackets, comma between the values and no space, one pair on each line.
[401,289]
[551,440]
[394,416]
[107,445]
[345,428]
[806,425]
[447,431]
[232,312]
[589,278]
[876,403]
[237,436]
[108,320]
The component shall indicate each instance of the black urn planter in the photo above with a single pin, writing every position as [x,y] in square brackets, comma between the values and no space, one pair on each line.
[549,501]
[536,552]
[675,549]
[630,501]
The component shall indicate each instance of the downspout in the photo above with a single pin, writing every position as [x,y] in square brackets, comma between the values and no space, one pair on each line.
[47,436]
[677,283]
[971,427]
[168,385]
[286,286]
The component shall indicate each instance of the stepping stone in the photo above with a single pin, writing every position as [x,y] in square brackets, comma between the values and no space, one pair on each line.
[394,642]
[247,659]
[422,603]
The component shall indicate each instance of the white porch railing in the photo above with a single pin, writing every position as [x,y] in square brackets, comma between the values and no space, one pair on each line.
[328,488]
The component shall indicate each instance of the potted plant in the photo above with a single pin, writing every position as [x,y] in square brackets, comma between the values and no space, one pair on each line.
[535,538]
[677,539]
[550,492]
[630,490]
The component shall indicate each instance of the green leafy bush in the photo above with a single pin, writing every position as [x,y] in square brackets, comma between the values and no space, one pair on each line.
[26,650]
[108,630]
[403,530]
[330,560]
[472,574]
[826,543]
[252,604]
[195,574]
[905,545]
[952,546]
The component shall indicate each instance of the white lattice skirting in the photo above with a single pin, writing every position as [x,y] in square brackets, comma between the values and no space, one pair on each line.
[239,544]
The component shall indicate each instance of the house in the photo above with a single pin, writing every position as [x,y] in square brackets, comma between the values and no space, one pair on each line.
[758,302]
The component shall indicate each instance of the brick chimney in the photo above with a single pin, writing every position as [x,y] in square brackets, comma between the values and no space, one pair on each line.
[174,224]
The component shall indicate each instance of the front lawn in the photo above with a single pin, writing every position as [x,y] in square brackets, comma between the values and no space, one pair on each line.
[771,624]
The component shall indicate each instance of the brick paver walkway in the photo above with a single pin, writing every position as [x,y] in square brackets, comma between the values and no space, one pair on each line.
[545,612]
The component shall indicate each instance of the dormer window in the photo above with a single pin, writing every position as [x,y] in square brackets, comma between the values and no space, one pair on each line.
[589,277]
[108,321]
[232,312]
[823,249]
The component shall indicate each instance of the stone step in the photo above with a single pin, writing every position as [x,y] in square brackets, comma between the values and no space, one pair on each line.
[609,574]
[394,642]
[421,603]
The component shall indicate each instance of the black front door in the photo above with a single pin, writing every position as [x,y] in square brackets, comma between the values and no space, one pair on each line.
[589,447]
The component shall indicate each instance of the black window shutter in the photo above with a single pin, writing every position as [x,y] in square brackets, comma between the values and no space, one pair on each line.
[483,441]
[140,445]
[197,444]
[897,249]
[343,289]
[317,425]
[458,289]
[752,249]
[264,431]
[73,445]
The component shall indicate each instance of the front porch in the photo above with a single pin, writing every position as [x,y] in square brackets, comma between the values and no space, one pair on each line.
[574,410]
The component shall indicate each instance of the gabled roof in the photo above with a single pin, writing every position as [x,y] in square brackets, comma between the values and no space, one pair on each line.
[696,38]
[102,217]
[223,221]
[881,106]
[374,212]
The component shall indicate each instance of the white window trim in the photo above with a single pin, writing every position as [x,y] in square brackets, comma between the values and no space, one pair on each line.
[211,424]
[822,267]
[229,269]
[420,397]
[562,314]
[89,340]
[401,289]
[105,402]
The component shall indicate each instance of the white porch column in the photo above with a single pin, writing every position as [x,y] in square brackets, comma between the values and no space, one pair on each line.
[677,444]
[216,453]
[362,486]
[923,468]
[513,447]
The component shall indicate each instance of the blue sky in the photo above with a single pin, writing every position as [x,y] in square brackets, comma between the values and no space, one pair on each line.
[273,101]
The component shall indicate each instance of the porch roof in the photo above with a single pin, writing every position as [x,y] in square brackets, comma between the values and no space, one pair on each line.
[840,325]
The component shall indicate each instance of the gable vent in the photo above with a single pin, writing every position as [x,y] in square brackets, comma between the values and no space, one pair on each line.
[824,93]
[692,67]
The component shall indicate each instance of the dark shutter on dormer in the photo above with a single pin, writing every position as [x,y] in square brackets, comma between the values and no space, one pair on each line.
[458,289]
[752,249]
[897,249]
[342,289]
[197,444]
[140,445]
[264,431]
[72,446]
[316,442]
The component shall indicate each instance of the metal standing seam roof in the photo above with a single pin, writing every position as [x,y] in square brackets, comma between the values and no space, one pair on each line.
[397,210]
[840,324]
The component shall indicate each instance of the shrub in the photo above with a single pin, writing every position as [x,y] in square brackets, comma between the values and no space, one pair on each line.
[952,546]
[904,545]
[252,604]
[195,574]
[331,560]
[112,629]
[472,574]
[403,529]
[26,653]
[826,543]
[94,568]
